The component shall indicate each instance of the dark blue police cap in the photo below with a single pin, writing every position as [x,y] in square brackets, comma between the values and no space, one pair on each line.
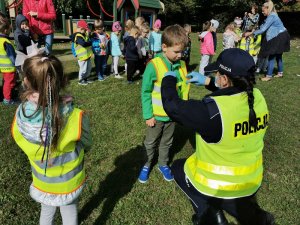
[233,62]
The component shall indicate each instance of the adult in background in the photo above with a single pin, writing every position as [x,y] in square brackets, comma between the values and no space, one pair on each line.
[251,18]
[276,41]
[41,15]
[226,170]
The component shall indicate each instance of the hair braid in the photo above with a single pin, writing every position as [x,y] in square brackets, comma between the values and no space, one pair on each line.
[246,84]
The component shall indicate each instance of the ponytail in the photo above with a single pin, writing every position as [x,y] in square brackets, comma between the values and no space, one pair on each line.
[246,84]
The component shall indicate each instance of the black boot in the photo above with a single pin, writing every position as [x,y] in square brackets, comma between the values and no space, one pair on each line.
[211,217]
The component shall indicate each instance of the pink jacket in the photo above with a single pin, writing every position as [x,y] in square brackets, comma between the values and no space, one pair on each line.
[207,44]
[43,23]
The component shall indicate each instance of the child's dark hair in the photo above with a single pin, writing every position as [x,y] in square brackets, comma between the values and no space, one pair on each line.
[206,25]
[246,83]
[174,35]
[4,24]
[45,76]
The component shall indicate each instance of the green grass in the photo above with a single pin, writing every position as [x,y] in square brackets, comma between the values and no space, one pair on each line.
[112,194]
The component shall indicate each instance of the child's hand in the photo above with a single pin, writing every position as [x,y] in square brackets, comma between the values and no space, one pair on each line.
[151,122]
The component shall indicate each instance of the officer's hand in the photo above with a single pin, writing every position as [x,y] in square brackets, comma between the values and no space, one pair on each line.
[196,78]
[171,73]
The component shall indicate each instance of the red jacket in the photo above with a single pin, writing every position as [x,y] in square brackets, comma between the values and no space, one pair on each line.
[43,23]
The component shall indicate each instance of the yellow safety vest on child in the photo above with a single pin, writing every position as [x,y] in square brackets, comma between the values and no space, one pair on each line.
[231,168]
[6,65]
[182,87]
[65,171]
[82,53]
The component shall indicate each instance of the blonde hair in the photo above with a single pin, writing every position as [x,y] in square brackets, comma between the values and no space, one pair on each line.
[187,28]
[270,6]
[145,28]
[134,30]
[174,35]
[231,26]
[45,76]
[98,24]
[139,21]
[128,25]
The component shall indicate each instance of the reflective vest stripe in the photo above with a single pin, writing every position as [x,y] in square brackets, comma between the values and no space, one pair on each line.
[6,64]
[228,186]
[58,179]
[62,159]
[229,170]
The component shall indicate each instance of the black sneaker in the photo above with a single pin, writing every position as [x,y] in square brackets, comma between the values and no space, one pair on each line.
[83,82]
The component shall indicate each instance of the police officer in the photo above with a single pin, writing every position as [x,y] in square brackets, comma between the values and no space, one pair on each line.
[226,170]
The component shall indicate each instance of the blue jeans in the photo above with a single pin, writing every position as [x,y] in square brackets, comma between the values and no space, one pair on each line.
[271,63]
[100,64]
[47,40]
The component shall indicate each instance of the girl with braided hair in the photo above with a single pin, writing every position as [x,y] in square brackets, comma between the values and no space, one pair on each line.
[226,170]
[54,135]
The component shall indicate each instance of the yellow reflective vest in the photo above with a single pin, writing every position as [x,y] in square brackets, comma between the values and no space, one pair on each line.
[181,86]
[257,45]
[6,65]
[247,44]
[82,53]
[65,170]
[231,168]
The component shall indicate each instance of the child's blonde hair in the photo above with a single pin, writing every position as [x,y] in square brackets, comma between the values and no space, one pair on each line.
[139,21]
[231,26]
[134,30]
[187,28]
[174,35]
[45,76]
[129,25]
[98,24]
[4,24]
[145,28]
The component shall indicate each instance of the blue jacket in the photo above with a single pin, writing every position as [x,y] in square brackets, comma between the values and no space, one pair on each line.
[155,41]
[272,25]
[115,45]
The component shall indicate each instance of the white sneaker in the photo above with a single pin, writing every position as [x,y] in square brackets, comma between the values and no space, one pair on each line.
[136,73]
[118,76]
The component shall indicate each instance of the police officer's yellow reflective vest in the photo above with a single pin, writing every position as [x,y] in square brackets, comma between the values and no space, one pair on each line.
[247,44]
[82,53]
[6,65]
[182,88]
[232,167]
[65,171]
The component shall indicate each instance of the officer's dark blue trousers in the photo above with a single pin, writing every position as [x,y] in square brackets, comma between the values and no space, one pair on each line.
[245,209]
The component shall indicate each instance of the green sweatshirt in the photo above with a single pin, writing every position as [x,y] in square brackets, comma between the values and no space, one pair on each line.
[149,78]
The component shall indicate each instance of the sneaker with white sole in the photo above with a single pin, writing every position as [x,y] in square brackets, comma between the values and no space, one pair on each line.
[118,76]
[166,172]
[144,174]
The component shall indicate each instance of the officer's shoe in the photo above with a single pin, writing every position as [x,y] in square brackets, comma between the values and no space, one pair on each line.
[220,218]
[209,218]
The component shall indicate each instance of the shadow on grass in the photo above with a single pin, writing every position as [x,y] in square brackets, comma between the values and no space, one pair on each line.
[181,136]
[116,185]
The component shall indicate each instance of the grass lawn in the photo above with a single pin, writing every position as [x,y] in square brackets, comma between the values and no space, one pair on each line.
[112,194]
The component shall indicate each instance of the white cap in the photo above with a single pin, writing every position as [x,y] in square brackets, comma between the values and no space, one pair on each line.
[214,23]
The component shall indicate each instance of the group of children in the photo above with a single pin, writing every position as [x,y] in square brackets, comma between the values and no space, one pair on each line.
[54,134]
[138,45]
